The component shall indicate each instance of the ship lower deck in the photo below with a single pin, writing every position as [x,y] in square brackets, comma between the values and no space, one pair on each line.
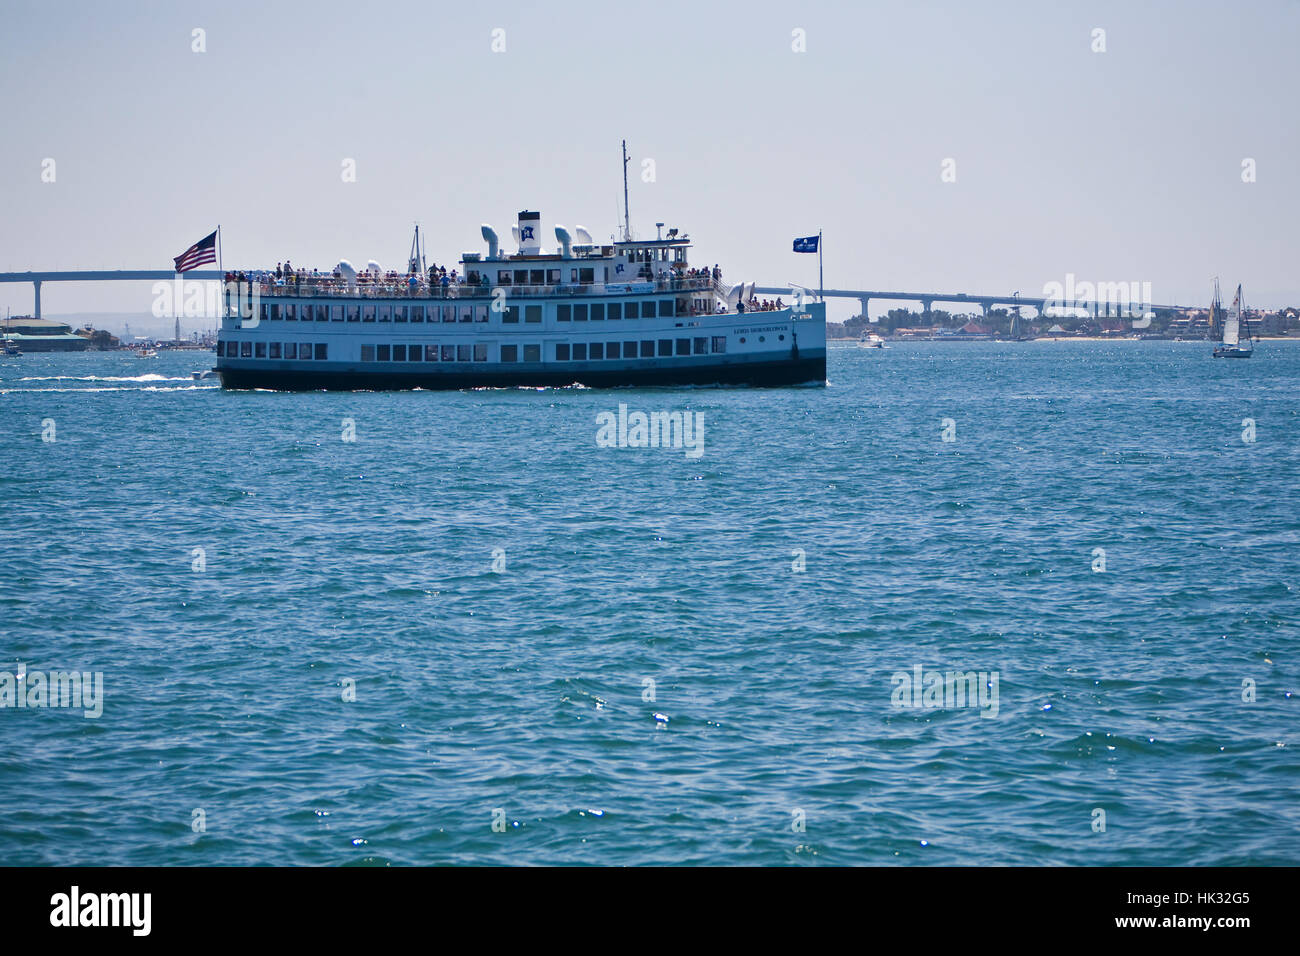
[808,368]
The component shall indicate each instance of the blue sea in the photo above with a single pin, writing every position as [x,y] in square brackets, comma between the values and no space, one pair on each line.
[472,635]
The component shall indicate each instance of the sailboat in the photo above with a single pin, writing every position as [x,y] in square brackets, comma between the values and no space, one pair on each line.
[1234,324]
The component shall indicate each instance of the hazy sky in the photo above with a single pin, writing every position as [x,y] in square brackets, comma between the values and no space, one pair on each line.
[1115,166]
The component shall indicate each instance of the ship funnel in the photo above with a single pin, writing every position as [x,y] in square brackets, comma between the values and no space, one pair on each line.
[562,237]
[583,235]
[490,236]
[530,226]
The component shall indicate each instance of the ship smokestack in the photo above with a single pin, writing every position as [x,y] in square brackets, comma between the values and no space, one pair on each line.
[530,229]
[562,237]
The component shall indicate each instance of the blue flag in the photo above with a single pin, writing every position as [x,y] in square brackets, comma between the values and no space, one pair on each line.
[807,244]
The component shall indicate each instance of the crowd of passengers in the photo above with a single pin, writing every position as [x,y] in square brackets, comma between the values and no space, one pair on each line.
[286,277]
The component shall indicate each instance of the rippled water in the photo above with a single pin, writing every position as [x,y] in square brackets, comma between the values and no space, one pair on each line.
[521,694]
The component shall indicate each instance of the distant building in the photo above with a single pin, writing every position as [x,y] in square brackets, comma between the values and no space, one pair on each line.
[42,335]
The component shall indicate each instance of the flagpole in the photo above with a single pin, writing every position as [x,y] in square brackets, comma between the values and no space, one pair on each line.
[225,289]
[820,282]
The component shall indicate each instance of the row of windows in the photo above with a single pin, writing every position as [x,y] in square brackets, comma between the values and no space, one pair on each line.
[318,351]
[583,351]
[478,352]
[424,353]
[597,311]
[359,312]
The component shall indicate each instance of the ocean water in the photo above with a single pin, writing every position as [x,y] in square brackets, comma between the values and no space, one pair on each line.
[474,636]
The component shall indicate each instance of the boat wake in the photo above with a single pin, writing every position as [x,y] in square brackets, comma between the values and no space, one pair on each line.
[151,377]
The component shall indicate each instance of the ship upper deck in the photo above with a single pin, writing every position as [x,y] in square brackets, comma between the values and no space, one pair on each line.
[521,282]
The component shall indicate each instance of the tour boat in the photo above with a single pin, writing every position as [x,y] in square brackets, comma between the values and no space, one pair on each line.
[870,340]
[626,312]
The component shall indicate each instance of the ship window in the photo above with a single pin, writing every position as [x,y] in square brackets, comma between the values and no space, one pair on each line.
[532,313]
[265,312]
[631,310]
[612,349]
[431,353]
[597,311]
[417,313]
[480,313]
[275,350]
[467,313]
[462,353]
[322,351]
[449,353]
[291,350]
[322,313]
[596,350]
[399,313]
[552,276]
[336,313]
[665,346]
[683,346]
[354,313]
[260,350]
[563,313]
[503,277]
[532,353]
[414,353]
[367,313]
[586,276]
[647,350]
[665,306]
[511,314]
[701,346]
[537,276]
[275,310]
[383,352]
[616,310]
[521,277]
[245,349]
[290,312]
[304,351]
[562,351]
[510,353]
[580,352]
[367,353]
[580,313]
[480,352]
[399,353]
[719,343]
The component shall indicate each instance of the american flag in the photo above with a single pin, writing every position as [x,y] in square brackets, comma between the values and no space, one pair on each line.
[205,250]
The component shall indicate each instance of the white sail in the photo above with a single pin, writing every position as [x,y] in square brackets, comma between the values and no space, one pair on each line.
[1232,322]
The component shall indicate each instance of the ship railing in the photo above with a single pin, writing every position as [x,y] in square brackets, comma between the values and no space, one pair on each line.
[387,289]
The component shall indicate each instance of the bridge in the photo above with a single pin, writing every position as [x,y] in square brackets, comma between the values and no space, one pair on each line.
[927,299]
[119,275]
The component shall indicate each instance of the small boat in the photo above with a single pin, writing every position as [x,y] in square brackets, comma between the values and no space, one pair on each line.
[205,373]
[146,353]
[12,349]
[870,340]
[1234,323]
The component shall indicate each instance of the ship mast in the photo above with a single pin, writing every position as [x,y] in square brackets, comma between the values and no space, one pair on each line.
[627,228]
